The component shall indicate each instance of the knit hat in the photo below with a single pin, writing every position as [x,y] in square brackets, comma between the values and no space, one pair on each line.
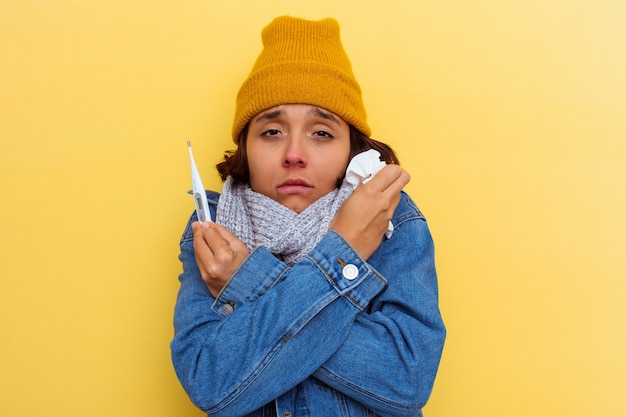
[302,62]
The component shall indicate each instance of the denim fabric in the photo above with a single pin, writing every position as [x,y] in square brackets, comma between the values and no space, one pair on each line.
[309,341]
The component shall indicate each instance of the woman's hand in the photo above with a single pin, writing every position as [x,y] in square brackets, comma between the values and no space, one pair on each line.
[364,217]
[218,254]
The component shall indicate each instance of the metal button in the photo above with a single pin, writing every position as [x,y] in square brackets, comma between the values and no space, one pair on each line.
[227,309]
[350,272]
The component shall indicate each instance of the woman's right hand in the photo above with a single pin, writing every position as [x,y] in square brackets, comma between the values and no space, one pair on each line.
[364,217]
[218,254]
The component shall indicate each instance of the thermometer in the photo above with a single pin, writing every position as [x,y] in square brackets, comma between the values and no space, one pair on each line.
[199,194]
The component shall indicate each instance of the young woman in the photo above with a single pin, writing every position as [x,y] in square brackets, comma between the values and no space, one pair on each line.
[307,297]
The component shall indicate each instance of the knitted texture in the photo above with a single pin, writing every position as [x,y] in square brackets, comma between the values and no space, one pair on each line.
[302,62]
[260,221]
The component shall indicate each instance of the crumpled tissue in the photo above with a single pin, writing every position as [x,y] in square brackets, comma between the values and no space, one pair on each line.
[362,169]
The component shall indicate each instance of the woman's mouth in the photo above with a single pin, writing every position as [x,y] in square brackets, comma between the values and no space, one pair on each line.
[294,186]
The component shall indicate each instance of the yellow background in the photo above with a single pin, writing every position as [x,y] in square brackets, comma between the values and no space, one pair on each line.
[510,115]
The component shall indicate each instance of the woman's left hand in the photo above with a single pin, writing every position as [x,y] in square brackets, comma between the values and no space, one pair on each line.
[218,254]
[364,217]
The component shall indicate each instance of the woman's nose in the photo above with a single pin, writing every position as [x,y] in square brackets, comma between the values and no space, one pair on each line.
[295,153]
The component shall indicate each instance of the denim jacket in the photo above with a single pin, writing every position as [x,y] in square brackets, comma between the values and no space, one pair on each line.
[333,335]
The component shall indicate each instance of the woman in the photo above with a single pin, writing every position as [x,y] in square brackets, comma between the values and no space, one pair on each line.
[307,297]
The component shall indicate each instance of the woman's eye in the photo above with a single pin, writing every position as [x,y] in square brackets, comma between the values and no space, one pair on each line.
[324,134]
[271,132]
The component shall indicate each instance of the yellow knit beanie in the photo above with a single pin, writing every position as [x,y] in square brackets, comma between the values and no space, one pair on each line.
[302,62]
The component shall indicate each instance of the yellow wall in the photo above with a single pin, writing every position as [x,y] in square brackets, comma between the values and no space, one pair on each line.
[510,116]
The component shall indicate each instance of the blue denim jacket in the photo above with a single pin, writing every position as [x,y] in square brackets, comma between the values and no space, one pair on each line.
[333,335]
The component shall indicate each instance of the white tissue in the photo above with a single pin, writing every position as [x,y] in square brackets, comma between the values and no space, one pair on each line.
[362,169]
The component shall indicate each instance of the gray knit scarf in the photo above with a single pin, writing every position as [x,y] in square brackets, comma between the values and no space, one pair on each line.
[260,221]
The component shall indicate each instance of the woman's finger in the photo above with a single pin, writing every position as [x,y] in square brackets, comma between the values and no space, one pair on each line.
[383,178]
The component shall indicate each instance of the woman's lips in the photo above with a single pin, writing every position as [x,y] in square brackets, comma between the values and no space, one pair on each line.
[290,187]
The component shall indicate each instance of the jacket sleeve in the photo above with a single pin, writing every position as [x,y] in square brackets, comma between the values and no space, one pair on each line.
[270,327]
[400,336]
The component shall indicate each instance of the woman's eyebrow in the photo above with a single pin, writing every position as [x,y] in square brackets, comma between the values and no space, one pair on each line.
[269,115]
[324,115]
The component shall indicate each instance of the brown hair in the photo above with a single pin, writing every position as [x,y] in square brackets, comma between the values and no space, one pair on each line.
[235,163]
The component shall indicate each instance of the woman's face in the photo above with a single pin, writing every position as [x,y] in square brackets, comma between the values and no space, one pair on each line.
[296,153]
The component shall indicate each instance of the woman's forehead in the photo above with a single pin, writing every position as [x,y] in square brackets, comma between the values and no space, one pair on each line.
[297,109]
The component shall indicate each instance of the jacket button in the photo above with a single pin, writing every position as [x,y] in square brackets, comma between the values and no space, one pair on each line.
[350,272]
[227,309]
